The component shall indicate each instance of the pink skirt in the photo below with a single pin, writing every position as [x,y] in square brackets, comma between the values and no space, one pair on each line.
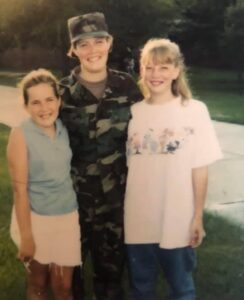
[57,238]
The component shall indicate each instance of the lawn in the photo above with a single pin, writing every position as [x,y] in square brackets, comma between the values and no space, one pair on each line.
[11,274]
[220,271]
[219,274]
[10,78]
[217,88]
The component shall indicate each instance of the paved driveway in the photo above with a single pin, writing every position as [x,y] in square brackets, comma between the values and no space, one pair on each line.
[11,107]
[226,188]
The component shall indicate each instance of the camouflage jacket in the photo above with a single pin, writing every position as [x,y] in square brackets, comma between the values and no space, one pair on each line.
[98,130]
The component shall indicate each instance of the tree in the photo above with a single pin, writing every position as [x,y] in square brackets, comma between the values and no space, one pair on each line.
[44,22]
[132,22]
[200,29]
[233,41]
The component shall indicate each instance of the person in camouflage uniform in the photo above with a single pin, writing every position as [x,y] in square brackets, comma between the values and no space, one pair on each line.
[96,111]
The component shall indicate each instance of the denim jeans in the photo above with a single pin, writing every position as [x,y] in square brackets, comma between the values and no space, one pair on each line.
[177,265]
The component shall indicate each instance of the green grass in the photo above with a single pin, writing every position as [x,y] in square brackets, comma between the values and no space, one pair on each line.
[219,90]
[11,274]
[10,78]
[220,271]
[219,274]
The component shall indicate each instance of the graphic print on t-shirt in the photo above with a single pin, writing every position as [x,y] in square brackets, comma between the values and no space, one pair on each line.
[166,141]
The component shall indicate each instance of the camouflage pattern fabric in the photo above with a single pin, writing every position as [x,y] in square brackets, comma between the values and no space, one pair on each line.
[98,132]
[91,24]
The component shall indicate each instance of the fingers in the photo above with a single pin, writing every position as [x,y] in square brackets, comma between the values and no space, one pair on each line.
[26,260]
[194,240]
[197,238]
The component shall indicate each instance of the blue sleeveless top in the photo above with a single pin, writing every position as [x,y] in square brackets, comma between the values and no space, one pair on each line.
[50,186]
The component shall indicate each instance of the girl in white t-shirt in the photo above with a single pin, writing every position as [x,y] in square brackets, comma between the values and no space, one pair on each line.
[171,142]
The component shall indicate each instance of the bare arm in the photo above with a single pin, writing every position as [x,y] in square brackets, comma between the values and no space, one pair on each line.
[199,181]
[18,168]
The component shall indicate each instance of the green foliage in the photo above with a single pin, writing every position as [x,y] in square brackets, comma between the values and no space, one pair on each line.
[200,28]
[132,22]
[233,41]
[44,22]
[234,35]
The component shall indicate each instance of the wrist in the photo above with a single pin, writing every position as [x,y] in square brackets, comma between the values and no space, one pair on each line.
[198,216]
[26,236]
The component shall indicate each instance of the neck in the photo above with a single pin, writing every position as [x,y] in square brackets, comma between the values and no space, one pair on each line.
[93,77]
[161,98]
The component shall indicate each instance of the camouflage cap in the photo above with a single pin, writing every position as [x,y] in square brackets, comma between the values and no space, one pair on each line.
[88,25]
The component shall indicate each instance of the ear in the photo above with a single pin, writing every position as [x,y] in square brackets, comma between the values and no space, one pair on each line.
[110,42]
[72,52]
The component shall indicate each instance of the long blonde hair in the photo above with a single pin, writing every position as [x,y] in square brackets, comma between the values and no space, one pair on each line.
[164,51]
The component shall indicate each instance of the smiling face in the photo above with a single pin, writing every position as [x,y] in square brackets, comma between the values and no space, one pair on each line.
[43,105]
[158,76]
[93,55]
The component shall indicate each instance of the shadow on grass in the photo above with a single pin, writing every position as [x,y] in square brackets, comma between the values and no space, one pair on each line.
[219,274]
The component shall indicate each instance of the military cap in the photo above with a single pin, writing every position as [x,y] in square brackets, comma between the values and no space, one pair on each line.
[88,25]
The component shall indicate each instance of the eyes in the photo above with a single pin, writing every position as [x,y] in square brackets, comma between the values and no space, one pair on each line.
[82,44]
[37,102]
[159,67]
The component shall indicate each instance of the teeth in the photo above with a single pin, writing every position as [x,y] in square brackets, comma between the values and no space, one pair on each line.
[156,82]
[45,116]
[93,59]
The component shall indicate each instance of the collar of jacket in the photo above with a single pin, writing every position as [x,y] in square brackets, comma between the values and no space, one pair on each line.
[113,79]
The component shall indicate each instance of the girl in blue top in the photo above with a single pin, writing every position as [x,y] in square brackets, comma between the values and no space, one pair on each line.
[45,223]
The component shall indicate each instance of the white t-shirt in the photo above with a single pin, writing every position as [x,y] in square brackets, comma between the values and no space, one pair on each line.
[165,142]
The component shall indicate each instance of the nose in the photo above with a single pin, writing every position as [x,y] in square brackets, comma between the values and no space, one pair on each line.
[44,106]
[91,48]
[155,72]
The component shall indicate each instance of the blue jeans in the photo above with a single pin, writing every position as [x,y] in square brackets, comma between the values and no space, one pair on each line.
[177,265]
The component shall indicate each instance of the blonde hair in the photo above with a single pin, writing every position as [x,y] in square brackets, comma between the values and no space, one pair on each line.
[36,77]
[164,51]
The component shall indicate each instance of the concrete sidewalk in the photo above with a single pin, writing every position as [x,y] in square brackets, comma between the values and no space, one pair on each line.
[226,189]
[11,106]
